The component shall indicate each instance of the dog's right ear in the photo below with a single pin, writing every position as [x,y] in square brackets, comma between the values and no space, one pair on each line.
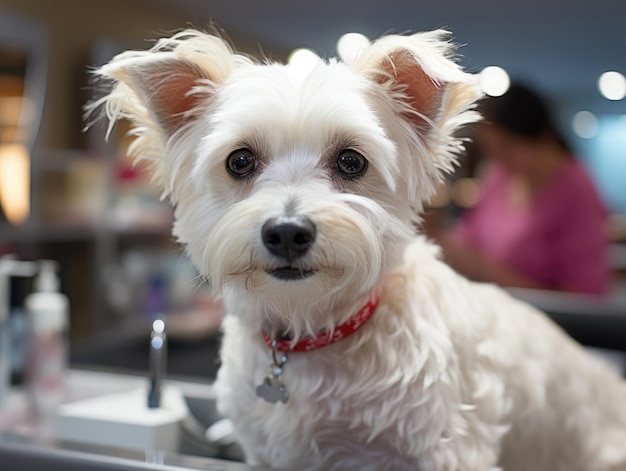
[162,90]
[170,88]
[169,81]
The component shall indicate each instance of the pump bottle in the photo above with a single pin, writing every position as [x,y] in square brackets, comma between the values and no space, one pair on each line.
[47,315]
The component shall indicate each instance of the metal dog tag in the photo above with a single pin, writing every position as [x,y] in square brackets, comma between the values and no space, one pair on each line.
[272,391]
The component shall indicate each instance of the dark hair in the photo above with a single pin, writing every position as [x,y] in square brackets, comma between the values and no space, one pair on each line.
[523,113]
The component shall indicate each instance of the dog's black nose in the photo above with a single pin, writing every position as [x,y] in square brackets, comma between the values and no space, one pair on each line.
[288,237]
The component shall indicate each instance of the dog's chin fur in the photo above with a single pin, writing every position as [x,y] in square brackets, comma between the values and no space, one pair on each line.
[446,375]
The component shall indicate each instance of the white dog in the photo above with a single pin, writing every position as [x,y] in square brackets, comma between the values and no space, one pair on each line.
[348,343]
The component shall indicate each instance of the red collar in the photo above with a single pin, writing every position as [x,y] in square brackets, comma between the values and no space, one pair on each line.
[327,337]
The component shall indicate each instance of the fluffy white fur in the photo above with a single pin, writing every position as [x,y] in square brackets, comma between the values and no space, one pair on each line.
[447,374]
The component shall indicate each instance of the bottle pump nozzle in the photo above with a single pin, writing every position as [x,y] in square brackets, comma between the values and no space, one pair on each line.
[47,281]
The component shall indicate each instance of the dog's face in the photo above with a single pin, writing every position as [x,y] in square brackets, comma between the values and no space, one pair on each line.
[294,187]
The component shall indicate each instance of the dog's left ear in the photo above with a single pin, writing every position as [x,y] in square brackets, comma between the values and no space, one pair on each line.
[418,71]
[432,94]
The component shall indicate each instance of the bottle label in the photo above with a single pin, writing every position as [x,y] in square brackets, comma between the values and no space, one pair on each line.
[46,370]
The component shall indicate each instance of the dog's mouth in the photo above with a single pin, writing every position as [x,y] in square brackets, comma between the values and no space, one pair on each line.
[290,273]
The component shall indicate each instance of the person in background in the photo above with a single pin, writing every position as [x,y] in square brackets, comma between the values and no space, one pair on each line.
[540,222]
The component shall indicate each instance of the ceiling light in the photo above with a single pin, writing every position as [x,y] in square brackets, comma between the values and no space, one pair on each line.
[494,80]
[585,124]
[351,45]
[304,59]
[612,85]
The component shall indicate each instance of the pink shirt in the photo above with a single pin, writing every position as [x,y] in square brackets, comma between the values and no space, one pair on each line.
[560,240]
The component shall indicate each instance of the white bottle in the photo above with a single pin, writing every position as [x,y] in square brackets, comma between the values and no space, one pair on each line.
[47,312]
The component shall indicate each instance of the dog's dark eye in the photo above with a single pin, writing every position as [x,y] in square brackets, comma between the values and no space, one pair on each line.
[351,163]
[241,163]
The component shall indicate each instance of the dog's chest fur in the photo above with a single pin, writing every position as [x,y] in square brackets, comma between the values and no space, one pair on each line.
[428,379]
[380,399]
